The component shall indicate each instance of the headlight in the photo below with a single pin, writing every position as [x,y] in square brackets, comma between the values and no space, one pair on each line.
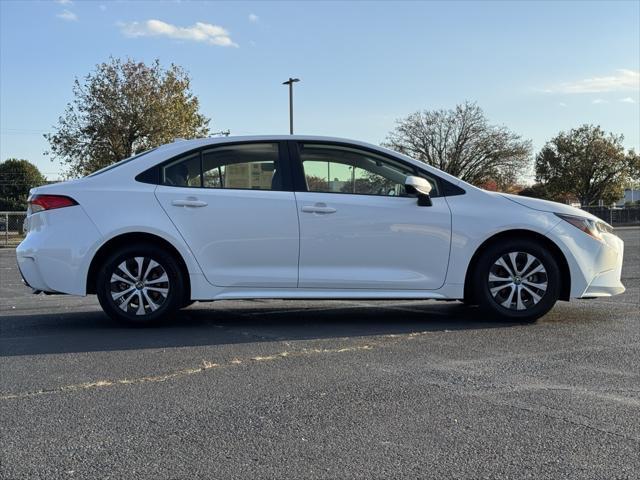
[591,227]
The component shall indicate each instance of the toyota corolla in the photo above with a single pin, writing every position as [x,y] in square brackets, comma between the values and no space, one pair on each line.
[296,217]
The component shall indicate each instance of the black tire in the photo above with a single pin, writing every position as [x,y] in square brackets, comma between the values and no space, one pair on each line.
[522,303]
[187,303]
[160,299]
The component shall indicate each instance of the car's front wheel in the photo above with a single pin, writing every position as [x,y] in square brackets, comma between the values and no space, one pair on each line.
[516,280]
[140,285]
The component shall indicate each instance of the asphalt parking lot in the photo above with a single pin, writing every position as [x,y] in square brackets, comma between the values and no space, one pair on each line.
[340,389]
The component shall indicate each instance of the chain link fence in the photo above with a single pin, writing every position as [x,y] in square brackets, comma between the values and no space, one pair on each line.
[11,228]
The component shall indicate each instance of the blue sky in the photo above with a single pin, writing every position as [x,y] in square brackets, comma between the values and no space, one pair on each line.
[536,67]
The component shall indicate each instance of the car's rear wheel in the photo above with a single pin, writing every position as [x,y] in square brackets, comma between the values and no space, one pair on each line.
[516,280]
[140,285]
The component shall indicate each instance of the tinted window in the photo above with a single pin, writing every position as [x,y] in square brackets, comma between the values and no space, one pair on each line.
[248,166]
[336,169]
[245,166]
[184,172]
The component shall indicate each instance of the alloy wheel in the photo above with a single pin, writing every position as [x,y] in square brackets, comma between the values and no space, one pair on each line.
[518,280]
[139,285]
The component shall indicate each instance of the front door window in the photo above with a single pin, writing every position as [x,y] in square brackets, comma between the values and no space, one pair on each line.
[335,169]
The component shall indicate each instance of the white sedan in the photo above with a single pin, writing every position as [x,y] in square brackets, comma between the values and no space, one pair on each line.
[300,217]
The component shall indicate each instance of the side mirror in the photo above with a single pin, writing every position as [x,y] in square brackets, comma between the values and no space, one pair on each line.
[419,187]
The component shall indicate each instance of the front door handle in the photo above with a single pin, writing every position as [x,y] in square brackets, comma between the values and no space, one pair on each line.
[189,203]
[318,208]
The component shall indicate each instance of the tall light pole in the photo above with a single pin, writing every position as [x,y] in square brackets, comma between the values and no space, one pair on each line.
[290,82]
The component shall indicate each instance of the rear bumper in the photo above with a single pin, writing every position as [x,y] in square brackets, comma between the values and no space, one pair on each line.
[26,264]
[32,275]
[53,256]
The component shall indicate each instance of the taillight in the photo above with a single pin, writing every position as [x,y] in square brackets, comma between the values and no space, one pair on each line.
[39,203]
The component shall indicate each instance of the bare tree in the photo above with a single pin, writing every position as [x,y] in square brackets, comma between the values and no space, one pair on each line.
[463,143]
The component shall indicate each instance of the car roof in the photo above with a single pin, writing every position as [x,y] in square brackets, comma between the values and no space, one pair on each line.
[199,142]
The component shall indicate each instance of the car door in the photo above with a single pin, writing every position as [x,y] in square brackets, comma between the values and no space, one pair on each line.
[234,207]
[359,228]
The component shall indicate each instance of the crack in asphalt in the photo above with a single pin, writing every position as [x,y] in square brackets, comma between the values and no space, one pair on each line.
[206,365]
[384,341]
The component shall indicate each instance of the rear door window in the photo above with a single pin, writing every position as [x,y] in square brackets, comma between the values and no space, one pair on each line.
[253,166]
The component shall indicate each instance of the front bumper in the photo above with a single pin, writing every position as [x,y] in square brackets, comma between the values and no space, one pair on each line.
[595,266]
[608,281]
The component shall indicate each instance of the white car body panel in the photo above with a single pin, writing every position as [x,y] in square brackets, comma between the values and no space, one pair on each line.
[60,244]
[478,216]
[240,238]
[595,266]
[546,205]
[132,208]
[379,242]
[53,256]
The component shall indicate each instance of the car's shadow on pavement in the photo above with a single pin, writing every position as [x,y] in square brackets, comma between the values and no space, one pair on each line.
[235,322]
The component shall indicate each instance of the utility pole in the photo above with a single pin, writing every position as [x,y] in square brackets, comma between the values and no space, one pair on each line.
[290,82]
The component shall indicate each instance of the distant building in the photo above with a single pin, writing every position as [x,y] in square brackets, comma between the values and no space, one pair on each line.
[630,195]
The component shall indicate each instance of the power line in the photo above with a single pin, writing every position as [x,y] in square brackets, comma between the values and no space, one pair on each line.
[22,131]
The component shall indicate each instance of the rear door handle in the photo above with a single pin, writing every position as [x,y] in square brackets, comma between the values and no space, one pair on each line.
[189,203]
[318,208]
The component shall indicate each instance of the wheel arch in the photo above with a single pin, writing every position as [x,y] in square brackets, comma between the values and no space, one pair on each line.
[127,239]
[565,273]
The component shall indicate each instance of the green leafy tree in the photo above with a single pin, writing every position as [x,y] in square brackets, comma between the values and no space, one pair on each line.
[463,143]
[588,163]
[17,177]
[123,108]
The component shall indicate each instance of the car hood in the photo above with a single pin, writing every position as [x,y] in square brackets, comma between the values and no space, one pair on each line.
[547,206]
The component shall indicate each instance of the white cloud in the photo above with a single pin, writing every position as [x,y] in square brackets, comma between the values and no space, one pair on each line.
[68,16]
[199,32]
[622,80]
[64,2]
[253,18]
[627,100]
[598,101]
[562,104]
